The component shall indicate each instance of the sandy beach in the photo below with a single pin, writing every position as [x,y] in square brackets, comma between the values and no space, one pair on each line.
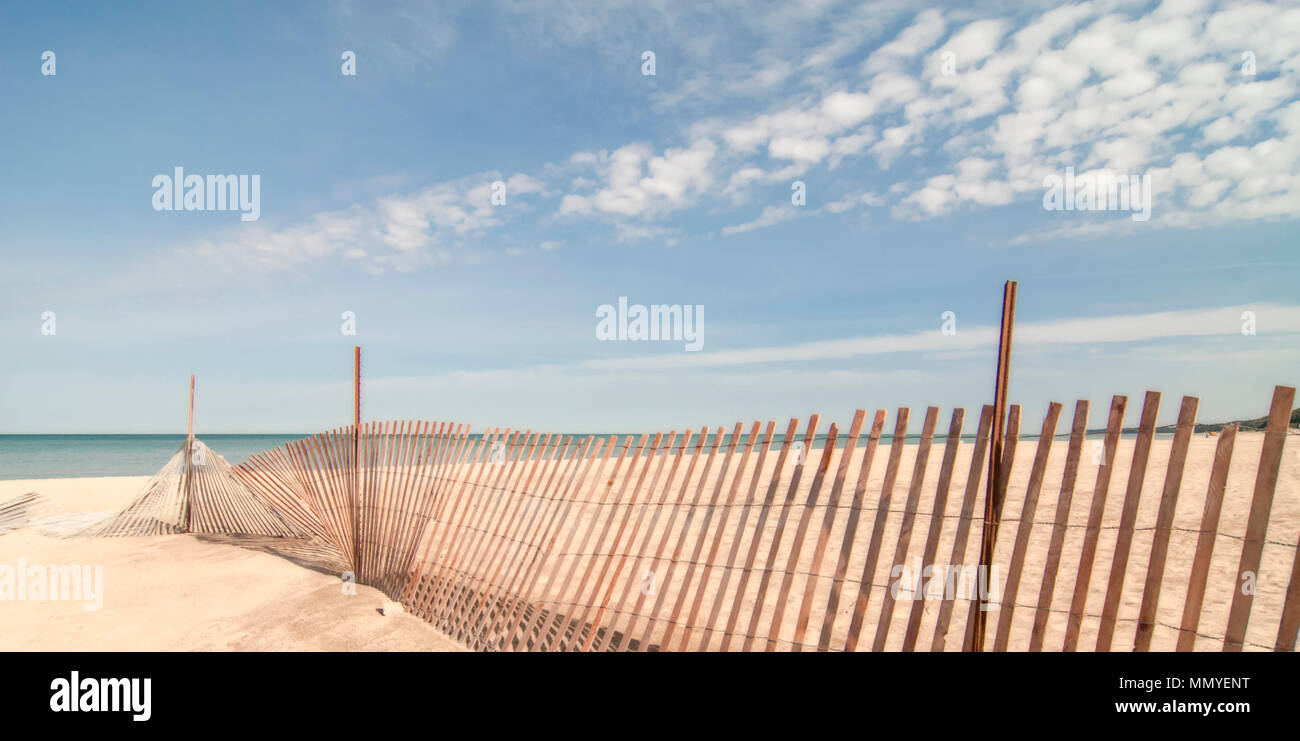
[209,593]
[188,593]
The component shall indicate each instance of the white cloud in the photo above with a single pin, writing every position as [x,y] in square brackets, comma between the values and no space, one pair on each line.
[771,215]
[394,232]
[636,182]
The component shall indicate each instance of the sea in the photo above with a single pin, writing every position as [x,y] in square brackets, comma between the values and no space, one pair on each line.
[75,456]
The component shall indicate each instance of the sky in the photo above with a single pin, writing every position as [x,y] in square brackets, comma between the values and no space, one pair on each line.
[827,180]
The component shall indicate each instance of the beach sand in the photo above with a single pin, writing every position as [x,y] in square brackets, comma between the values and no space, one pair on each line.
[190,593]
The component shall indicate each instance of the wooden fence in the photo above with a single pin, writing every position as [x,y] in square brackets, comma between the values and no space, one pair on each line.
[842,541]
[195,492]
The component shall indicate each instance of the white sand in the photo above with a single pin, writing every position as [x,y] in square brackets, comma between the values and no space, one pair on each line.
[186,593]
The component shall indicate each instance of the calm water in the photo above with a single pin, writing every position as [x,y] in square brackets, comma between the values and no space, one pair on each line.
[70,456]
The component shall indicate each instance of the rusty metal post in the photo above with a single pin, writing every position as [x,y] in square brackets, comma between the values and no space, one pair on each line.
[996,488]
[356,462]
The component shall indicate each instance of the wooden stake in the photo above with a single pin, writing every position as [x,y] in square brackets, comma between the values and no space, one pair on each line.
[992,505]
[189,454]
[356,461]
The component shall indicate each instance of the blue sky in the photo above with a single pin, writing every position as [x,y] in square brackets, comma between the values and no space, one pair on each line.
[924,192]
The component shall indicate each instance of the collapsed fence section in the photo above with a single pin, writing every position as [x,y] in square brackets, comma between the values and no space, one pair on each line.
[831,540]
[197,491]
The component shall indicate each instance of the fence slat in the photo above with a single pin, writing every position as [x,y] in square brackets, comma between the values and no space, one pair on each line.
[801,532]
[896,444]
[938,511]
[1127,518]
[905,527]
[674,510]
[694,561]
[1065,498]
[718,534]
[1088,553]
[1164,524]
[828,521]
[763,511]
[1205,541]
[1028,508]
[715,613]
[645,540]
[781,519]
[973,477]
[1261,504]
[850,532]
[524,617]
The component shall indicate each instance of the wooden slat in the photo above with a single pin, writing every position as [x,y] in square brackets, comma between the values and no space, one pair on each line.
[459,531]
[828,522]
[714,621]
[662,451]
[850,533]
[1164,524]
[973,477]
[507,535]
[801,532]
[662,542]
[765,578]
[537,630]
[764,510]
[693,560]
[1128,516]
[517,560]
[658,612]
[644,540]
[1092,533]
[490,500]
[1028,508]
[1205,541]
[865,584]
[587,520]
[519,623]
[1261,504]
[938,508]
[1064,500]
[905,527]
[718,533]
[601,552]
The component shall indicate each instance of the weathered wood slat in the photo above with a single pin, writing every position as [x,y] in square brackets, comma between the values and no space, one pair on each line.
[1261,504]
[1092,533]
[1064,499]
[1164,524]
[973,477]
[905,527]
[1028,508]
[1128,517]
